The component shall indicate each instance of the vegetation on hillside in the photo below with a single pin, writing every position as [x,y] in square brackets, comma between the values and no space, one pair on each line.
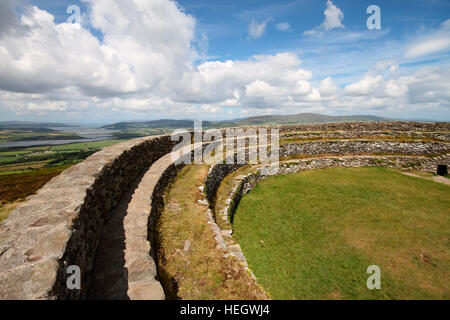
[23,171]
[35,135]
[303,118]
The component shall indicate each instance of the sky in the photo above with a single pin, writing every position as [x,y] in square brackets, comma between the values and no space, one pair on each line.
[105,61]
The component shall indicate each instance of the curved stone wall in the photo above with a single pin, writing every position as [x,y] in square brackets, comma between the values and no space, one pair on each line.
[215,177]
[370,126]
[329,135]
[61,225]
[345,147]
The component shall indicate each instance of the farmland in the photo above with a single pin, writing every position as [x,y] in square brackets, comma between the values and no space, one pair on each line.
[35,134]
[23,171]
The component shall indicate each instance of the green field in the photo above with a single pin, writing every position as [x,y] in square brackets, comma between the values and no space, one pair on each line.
[17,160]
[312,235]
[23,171]
[35,134]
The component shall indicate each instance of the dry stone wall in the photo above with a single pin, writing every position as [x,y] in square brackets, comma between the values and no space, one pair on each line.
[370,126]
[438,136]
[346,147]
[215,177]
[61,225]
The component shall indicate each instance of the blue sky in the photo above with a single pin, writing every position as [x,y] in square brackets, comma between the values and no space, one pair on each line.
[212,52]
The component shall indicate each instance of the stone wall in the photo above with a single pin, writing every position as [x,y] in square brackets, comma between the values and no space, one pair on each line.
[61,225]
[165,178]
[370,126]
[329,135]
[346,147]
[215,177]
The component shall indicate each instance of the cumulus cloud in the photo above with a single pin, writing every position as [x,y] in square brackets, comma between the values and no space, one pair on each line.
[145,64]
[333,20]
[364,86]
[327,88]
[140,50]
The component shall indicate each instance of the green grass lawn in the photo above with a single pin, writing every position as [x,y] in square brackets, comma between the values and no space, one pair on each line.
[312,235]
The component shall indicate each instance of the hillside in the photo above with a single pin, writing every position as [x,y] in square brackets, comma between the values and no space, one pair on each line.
[302,118]
[305,118]
[31,126]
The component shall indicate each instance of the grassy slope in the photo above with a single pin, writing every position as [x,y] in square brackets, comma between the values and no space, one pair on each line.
[33,135]
[24,177]
[16,187]
[19,186]
[201,272]
[18,160]
[312,235]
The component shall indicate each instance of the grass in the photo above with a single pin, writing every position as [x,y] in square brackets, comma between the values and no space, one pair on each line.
[19,186]
[6,209]
[142,132]
[14,188]
[87,145]
[20,160]
[33,135]
[312,235]
[201,272]
[23,171]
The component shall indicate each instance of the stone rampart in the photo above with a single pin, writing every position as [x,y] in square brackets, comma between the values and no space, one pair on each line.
[61,225]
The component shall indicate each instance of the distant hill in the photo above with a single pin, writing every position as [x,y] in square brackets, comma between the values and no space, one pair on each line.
[302,118]
[164,123]
[305,118]
[32,126]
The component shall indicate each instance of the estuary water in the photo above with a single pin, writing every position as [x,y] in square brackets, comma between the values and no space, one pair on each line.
[89,134]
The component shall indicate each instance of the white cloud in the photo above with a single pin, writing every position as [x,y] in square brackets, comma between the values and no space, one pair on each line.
[283,26]
[211,109]
[257,30]
[428,47]
[333,17]
[438,41]
[365,86]
[327,88]
[144,67]
[333,20]
[140,50]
